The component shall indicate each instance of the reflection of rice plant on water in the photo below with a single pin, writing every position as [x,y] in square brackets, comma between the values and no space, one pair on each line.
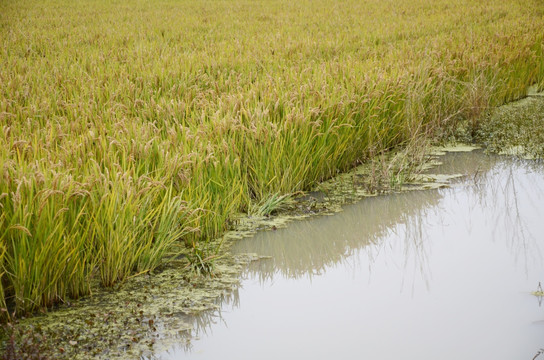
[540,352]
[539,293]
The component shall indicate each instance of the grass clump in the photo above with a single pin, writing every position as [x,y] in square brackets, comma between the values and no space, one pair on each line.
[127,128]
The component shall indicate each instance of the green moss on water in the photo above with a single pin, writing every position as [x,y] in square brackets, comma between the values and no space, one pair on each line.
[515,129]
[453,147]
[141,317]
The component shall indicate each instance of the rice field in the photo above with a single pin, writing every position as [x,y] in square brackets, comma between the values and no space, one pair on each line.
[130,127]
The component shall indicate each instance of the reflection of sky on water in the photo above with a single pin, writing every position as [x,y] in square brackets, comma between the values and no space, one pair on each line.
[421,275]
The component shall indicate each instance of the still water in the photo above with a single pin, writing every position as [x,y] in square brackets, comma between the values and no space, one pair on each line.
[436,274]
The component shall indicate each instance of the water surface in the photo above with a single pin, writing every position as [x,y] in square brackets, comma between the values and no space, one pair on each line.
[437,274]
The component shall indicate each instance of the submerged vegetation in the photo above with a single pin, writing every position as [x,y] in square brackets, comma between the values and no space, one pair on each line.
[127,128]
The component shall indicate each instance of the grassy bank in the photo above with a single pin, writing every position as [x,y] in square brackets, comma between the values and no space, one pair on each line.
[129,126]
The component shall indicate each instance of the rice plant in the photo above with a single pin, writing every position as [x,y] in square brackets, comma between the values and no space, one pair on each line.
[129,128]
